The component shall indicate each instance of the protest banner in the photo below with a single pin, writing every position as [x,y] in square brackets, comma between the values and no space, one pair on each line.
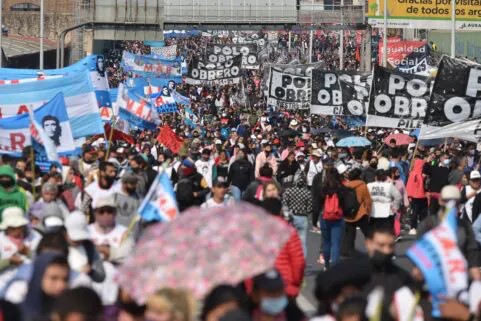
[222,53]
[136,111]
[441,262]
[455,112]
[52,123]
[147,66]
[304,70]
[225,73]
[397,100]
[398,51]
[169,52]
[169,139]
[289,91]
[340,93]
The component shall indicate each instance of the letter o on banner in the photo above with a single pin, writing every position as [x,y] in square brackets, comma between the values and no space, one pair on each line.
[355,107]
[280,92]
[323,96]
[195,73]
[382,103]
[457,109]
[416,87]
[251,59]
[213,58]
[234,71]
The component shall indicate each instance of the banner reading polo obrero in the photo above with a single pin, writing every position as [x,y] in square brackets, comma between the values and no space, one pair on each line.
[79,94]
[222,53]
[52,120]
[340,93]
[289,91]
[432,14]
[455,106]
[150,67]
[225,73]
[304,70]
[397,100]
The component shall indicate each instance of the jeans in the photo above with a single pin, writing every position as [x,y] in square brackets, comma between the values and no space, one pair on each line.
[349,239]
[236,192]
[300,223]
[331,232]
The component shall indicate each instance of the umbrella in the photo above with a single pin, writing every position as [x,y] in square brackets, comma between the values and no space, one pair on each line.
[398,139]
[204,248]
[353,141]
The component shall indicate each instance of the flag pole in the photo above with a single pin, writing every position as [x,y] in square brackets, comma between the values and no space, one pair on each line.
[111,134]
[384,37]
[32,156]
[453,28]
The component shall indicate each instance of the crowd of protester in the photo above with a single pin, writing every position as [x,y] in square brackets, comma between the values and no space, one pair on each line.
[65,232]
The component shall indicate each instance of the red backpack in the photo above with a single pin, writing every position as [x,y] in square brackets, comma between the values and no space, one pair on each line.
[332,208]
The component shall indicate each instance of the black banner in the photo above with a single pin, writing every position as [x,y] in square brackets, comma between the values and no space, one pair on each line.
[340,92]
[455,105]
[416,61]
[397,100]
[200,73]
[222,53]
[303,70]
[289,91]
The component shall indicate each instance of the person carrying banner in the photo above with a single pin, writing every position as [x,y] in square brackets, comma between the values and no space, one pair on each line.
[466,240]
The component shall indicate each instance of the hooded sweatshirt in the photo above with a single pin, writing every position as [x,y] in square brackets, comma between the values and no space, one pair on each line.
[363,197]
[16,196]
[298,199]
[415,185]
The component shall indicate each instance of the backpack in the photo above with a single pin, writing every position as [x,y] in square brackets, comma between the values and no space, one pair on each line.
[350,204]
[185,190]
[332,208]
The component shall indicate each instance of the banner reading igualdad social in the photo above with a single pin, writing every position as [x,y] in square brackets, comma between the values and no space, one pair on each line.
[222,53]
[289,91]
[397,100]
[340,93]
[225,73]
[455,105]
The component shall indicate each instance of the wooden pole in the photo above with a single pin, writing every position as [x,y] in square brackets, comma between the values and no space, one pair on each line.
[32,156]
[111,134]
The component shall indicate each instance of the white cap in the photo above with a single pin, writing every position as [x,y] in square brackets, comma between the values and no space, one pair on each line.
[218,142]
[300,154]
[475,175]
[450,192]
[13,217]
[105,202]
[316,153]
[293,123]
[342,168]
[264,141]
[76,225]
[314,145]
[253,136]
[52,221]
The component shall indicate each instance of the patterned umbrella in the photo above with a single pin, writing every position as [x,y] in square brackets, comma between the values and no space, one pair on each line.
[353,141]
[398,139]
[203,248]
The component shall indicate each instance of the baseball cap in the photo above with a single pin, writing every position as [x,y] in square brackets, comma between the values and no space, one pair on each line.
[107,201]
[342,168]
[450,192]
[220,182]
[52,223]
[218,142]
[269,281]
[130,178]
[475,175]
[76,226]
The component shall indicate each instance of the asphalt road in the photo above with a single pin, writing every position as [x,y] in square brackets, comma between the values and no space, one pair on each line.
[306,299]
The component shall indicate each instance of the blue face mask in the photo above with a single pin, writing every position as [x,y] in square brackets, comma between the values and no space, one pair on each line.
[274,306]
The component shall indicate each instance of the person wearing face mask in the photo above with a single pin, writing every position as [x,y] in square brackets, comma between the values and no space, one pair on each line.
[369,174]
[10,193]
[437,176]
[88,162]
[269,300]
[104,186]
[385,273]
[468,197]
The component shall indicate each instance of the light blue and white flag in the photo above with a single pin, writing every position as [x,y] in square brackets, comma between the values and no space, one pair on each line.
[160,204]
[164,101]
[440,260]
[136,111]
[149,67]
[79,94]
[190,119]
[180,99]
[51,130]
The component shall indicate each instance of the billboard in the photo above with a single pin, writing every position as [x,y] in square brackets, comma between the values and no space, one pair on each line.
[433,13]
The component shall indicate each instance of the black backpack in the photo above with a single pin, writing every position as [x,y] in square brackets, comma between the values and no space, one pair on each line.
[349,203]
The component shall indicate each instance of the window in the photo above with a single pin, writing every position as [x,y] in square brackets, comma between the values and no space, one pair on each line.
[25,7]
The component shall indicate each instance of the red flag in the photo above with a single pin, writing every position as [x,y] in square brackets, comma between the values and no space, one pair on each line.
[169,139]
[117,135]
